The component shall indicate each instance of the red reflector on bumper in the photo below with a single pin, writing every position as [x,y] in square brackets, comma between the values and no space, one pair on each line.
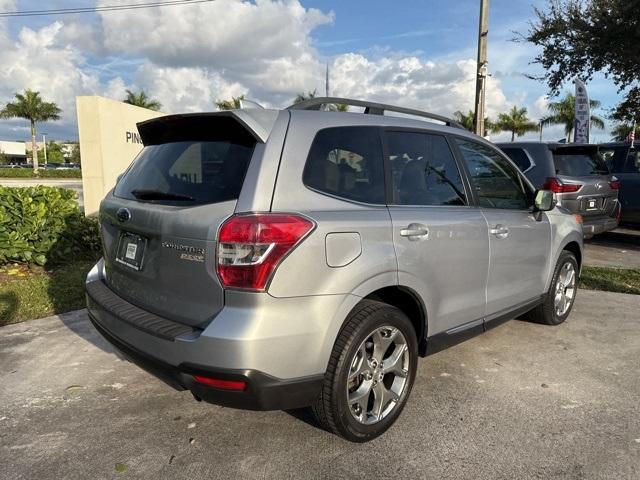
[237,385]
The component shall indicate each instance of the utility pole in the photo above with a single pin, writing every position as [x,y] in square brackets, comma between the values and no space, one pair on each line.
[44,145]
[481,79]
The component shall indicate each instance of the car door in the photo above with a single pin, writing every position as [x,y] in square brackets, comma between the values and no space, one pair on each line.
[519,240]
[440,238]
[628,172]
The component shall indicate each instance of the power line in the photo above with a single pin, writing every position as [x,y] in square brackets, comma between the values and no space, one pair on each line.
[104,8]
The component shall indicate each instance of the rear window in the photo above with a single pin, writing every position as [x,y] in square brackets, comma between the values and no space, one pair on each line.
[347,162]
[519,157]
[578,163]
[189,163]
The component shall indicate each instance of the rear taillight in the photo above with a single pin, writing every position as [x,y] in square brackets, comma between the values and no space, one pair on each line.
[250,247]
[615,184]
[558,186]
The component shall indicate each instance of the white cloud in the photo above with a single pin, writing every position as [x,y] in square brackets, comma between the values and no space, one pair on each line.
[187,57]
[222,34]
[441,87]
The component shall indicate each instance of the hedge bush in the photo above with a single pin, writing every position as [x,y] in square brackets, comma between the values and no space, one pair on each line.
[44,225]
[42,173]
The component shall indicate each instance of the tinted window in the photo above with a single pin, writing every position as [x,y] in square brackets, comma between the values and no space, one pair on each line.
[519,157]
[578,164]
[347,162]
[424,170]
[632,165]
[495,180]
[187,172]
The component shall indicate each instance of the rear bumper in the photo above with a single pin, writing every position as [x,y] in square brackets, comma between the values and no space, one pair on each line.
[279,346]
[263,391]
[591,227]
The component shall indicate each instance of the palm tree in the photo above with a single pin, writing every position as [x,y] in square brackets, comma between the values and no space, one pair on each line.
[621,132]
[301,97]
[30,106]
[332,107]
[142,100]
[468,121]
[516,122]
[563,112]
[233,104]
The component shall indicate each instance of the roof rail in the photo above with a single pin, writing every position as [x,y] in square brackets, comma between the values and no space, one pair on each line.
[371,108]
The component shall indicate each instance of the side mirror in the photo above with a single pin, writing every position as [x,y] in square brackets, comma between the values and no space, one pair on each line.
[545,201]
[119,177]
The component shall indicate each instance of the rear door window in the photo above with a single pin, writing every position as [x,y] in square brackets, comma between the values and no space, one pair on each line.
[187,172]
[424,171]
[347,162]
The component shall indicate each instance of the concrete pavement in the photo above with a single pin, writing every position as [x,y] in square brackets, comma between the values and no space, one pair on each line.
[521,401]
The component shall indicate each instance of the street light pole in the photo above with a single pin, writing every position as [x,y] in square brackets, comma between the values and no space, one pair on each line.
[481,79]
[44,143]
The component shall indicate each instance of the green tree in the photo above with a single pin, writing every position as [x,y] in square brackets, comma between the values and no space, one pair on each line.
[563,112]
[30,106]
[55,153]
[141,99]
[75,155]
[233,104]
[468,121]
[621,132]
[578,38]
[516,122]
[3,158]
[302,97]
[332,107]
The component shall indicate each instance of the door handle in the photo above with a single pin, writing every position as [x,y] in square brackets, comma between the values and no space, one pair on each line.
[415,231]
[500,231]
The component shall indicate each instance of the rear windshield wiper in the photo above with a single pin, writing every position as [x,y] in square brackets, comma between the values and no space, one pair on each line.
[160,195]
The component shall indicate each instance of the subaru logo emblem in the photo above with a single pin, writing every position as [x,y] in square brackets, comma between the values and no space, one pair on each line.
[123,215]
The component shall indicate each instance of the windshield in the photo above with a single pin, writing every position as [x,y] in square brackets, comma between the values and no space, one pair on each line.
[187,173]
[578,164]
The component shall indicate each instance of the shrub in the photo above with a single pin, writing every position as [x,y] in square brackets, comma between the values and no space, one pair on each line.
[44,225]
[42,173]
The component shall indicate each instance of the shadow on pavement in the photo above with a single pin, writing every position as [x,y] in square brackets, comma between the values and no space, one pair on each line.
[8,308]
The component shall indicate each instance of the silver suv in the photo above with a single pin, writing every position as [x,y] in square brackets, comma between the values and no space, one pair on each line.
[269,259]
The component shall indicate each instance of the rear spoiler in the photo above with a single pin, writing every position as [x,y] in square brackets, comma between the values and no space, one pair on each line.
[240,126]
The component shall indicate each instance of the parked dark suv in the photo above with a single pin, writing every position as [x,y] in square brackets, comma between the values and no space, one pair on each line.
[624,162]
[577,175]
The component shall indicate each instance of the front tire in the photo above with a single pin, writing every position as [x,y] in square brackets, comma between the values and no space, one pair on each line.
[370,374]
[558,301]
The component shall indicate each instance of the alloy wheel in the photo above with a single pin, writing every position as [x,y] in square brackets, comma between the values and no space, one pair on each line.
[378,375]
[565,289]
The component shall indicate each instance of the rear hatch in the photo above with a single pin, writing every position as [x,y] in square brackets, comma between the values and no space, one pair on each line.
[582,165]
[159,224]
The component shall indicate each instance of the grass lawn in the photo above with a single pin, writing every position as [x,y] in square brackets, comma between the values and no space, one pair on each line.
[611,279]
[35,293]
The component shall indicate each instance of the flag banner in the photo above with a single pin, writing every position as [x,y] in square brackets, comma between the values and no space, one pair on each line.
[583,114]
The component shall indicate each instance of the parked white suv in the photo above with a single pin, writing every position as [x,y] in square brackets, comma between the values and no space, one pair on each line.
[270,259]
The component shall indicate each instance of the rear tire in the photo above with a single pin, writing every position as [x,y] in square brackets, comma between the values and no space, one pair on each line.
[370,373]
[558,301]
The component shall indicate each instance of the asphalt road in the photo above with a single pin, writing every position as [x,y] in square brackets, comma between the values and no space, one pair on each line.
[618,248]
[521,401]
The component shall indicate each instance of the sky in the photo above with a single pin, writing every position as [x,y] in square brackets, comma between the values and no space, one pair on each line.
[417,54]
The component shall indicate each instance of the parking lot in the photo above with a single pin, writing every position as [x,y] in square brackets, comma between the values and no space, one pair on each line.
[521,401]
